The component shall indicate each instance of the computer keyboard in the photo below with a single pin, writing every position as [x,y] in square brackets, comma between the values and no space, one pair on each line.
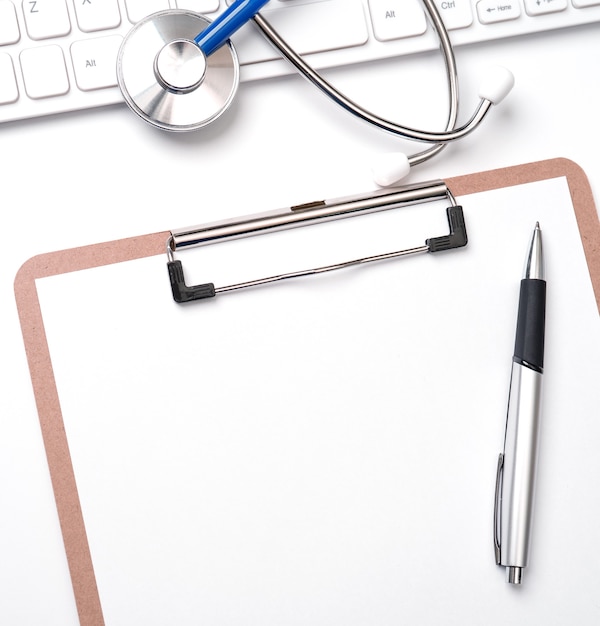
[59,55]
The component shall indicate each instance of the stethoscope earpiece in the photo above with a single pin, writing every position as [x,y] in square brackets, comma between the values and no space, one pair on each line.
[496,84]
[165,77]
[390,168]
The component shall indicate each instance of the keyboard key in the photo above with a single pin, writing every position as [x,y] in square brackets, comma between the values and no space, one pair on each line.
[9,91]
[396,19]
[139,9]
[199,6]
[95,61]
[341,24]
[93,15]
[46,18]
[455,13]
[9,27]
[44,72]
[541,7]
[580,4]
[492,11]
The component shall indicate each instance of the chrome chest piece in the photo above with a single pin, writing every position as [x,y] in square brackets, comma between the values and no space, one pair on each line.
[166,78]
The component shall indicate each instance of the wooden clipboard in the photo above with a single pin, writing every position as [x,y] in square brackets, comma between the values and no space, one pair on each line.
[93,256]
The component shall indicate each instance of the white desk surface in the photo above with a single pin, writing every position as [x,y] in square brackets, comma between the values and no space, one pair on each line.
[102,175]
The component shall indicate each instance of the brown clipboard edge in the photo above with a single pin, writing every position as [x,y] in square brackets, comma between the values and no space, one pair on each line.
[48,404]
[581,197]
[87,257]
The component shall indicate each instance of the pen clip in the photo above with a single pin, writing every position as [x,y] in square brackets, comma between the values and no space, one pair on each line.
[497,507]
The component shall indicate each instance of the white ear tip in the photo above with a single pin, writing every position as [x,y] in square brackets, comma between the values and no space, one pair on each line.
[389,169]
[497,84]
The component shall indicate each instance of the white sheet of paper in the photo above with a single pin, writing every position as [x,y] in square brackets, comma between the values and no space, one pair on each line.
[323,451]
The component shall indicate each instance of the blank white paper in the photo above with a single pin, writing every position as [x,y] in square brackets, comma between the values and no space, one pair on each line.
[323,450]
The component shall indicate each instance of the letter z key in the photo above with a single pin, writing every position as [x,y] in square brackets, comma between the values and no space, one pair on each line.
[46,18]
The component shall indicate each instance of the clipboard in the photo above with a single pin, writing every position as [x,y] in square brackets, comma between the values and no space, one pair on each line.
[50,403]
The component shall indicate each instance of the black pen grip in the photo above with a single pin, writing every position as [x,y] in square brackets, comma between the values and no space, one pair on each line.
[529,341]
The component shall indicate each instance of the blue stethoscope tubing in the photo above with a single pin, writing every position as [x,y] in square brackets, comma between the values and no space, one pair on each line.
[219,31]
[217,34]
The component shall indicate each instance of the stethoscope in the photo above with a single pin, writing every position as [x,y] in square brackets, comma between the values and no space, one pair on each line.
[179,71]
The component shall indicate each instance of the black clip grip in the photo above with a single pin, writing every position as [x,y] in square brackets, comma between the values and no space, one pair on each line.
[458,232]
[183,293]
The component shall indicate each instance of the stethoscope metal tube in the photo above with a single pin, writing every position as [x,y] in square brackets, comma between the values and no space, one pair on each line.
[408,133]
[452,81]
[444,136]
[168,76]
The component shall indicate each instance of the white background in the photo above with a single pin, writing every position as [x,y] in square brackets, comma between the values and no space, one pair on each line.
[103,175]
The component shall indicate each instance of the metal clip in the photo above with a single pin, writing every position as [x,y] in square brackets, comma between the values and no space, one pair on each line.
[307,214]
[498,507]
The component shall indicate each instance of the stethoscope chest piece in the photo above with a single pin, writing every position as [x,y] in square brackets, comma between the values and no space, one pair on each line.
[165,77]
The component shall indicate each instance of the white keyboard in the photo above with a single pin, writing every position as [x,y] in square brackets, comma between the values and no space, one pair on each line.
[59,55]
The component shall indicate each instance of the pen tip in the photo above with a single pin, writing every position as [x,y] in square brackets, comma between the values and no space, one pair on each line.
[534,263]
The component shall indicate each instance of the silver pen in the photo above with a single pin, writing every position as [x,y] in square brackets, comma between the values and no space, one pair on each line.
[516,473]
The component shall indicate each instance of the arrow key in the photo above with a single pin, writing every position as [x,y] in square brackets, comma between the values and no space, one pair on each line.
[541,7]
[492,11]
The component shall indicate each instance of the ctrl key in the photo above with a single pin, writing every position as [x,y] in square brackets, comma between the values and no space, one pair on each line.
[9,92]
